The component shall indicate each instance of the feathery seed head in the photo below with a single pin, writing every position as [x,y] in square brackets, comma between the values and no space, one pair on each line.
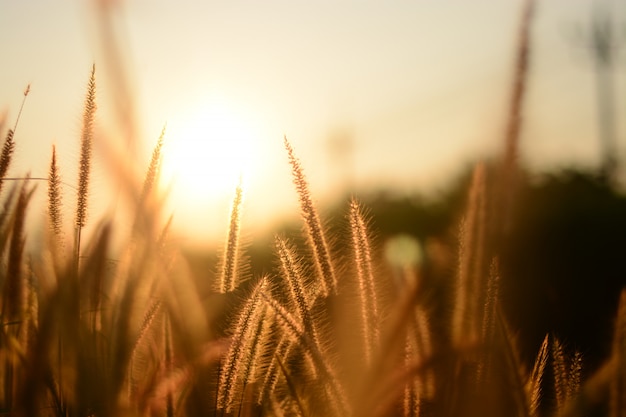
[86,150]
[314,228]
[54,196]
[228,275]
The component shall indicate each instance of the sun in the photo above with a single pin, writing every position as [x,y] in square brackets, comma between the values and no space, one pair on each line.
[208,152]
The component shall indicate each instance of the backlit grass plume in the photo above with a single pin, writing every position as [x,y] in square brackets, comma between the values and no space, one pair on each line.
[152,176]
[5,155]
[313,225]
[146,205]
[467,316]
[235,357]
[292,271]
[535,381]
[365,277]
[335,395]
[9,144]
[54,198]
[85,162]
[230,258]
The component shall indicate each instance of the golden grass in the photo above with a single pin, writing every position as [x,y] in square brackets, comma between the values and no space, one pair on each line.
[315,232]
[84,169]
[134,337]
[54,199]
[131,332]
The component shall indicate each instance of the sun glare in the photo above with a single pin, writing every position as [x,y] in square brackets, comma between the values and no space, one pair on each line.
[208,151]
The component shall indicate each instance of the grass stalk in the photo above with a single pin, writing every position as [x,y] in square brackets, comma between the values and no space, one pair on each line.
[536,378]
[293,272]
[230,369]
[293,328]
[55,203]
[9,144]
[365,277]
[84,170]
[470,282]
[315,232]
[230,258]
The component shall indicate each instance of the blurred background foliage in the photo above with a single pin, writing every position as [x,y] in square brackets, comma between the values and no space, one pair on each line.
[562,263]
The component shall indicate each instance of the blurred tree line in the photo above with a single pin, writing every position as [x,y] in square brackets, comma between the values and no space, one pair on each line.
[562,264]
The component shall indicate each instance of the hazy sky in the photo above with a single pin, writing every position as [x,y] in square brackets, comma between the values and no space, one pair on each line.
[418,88]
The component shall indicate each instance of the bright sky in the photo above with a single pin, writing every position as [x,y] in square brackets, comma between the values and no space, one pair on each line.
[418,87]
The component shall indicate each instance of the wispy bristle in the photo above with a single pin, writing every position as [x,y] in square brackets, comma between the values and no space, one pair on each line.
[145,215]
[54,198]
[296,331]
[293,273]
[5,155]
[560,374]
[313,225]
[470,282]
[509,168]
[574,374]
[228,275]
[234,358]
[19,113]
[84,168]
[154,168]
[519,86]
[411,401]
[365,276]
[14,302]
[254,344]
[489,321]
[272,375]
[533,387]
[9,144]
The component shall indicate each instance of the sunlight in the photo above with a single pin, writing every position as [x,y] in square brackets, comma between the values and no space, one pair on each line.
[208,151]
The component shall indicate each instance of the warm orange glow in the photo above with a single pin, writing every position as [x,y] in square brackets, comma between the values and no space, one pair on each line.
[208,151]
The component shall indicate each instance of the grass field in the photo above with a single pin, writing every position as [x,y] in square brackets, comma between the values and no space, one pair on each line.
[92,327]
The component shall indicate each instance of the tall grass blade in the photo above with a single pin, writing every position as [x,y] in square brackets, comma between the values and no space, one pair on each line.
[365,276]
[295,330]
[270,381]
[230,258]
[536,378]
[559,372]
[85,162]
[467,315]
[154,169]
[145,217]
[292,271]
[235,356]
[14,304]
[508,177]
[55,203]
[489,327]
[9,145]
[5,155]
[315,232]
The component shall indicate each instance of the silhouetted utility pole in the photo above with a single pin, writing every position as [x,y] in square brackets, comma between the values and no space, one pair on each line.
[604,42]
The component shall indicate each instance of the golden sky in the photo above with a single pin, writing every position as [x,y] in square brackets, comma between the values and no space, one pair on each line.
[418,89]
